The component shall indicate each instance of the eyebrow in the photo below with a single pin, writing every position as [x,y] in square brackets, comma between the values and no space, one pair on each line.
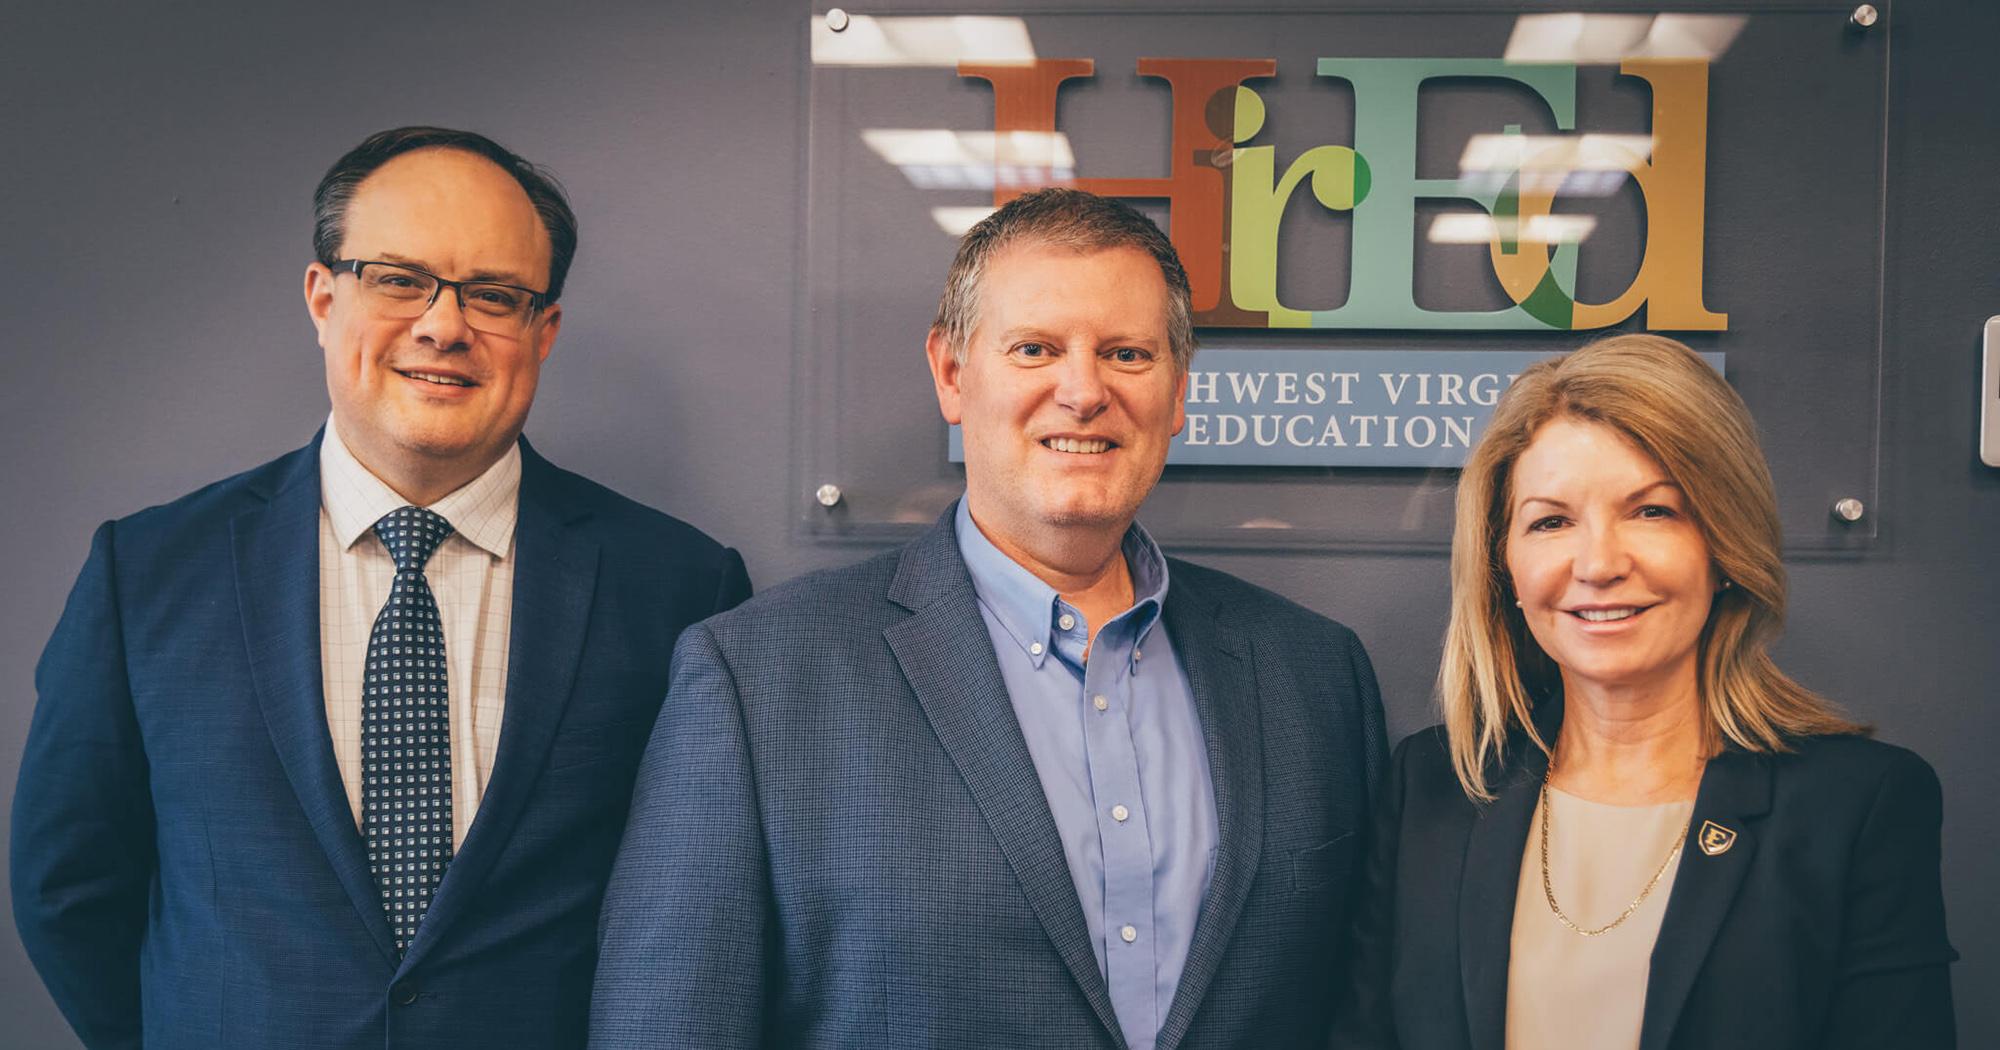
[1144,342]
[1630,497]
[491,276]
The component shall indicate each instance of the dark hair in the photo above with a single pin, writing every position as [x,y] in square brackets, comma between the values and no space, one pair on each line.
[1065,218]
[336,189]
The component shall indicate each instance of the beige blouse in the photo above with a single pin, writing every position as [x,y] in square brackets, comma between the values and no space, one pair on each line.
[1569,991]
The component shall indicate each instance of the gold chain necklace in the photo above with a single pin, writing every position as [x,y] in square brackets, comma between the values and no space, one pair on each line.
[1548,888]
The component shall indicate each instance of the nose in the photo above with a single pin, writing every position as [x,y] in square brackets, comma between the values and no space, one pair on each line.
[442,324]
[1601,556]
[1080,386]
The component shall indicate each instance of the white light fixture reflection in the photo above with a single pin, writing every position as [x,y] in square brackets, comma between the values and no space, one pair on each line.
[1704,37]
[1481,228]
[958,221]
[1606,40]
[942,159]
[1561,153]
[1481,184]
[1592,165]
[921,42]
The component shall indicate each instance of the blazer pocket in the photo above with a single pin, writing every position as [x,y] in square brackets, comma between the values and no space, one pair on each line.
[587,744]
[1315,866]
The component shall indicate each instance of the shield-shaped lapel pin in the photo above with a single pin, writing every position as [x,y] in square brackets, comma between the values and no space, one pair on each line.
[1715,839]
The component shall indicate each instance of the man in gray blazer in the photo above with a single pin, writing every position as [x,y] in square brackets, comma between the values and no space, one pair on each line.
[1024,782]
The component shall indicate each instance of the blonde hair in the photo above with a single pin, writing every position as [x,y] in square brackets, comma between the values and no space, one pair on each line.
[1678,410]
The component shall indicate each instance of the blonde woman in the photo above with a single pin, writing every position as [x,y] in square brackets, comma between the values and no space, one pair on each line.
[1633,830]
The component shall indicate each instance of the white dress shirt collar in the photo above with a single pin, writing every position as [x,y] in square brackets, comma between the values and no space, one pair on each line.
[483,510]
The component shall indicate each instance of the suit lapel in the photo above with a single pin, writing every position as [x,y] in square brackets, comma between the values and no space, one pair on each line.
[1487,887]
[555,580]
[277,589]
[1735,789]
[964,698]
[1217,661]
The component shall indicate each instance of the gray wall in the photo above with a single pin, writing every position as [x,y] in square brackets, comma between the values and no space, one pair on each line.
[154,224]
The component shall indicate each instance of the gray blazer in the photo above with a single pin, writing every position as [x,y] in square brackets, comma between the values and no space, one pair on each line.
[838,838]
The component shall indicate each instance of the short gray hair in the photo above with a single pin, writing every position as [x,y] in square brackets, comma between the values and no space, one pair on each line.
[1063,218]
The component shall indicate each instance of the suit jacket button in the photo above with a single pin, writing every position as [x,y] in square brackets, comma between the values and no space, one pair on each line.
[403,993]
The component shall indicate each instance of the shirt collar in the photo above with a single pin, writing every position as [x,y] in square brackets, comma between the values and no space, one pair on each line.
[482,511]
[1027,608]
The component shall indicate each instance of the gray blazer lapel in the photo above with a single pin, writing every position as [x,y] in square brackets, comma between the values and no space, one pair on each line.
[277,589]
[1735,789]
[1218,664]
[555,580]
[943,652]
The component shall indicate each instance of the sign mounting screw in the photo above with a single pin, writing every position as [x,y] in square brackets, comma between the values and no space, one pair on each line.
[1863,16]
[1849,509]
[836,20]
[828,495]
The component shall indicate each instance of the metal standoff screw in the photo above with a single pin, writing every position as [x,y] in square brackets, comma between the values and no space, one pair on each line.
[1849,509]
[829,494]
[836,20]
[1863,16]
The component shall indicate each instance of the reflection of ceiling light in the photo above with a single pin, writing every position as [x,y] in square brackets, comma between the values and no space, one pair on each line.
[1555,153]
[943,146]
[1481,228]
[939,158]
[1704,37]
[945,42]
[1611,39]
[1483,184]
[958,221]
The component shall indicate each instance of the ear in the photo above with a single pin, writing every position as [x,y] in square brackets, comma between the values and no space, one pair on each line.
[545,332]
[1180,403]
[946,373]
[319,297]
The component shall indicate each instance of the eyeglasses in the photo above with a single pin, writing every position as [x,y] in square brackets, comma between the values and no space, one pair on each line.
[394,290]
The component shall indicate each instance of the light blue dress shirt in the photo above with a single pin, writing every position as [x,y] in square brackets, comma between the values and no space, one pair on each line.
[1118,746]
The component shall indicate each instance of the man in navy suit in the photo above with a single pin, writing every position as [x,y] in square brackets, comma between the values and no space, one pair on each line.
[1025,782]
[335,753]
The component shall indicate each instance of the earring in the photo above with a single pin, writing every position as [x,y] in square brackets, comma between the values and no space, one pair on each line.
[1518,605]
[1727,583]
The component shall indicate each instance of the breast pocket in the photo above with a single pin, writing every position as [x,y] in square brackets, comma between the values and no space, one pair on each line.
[1315,866]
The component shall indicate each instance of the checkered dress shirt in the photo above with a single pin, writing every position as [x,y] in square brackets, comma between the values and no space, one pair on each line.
[472,578]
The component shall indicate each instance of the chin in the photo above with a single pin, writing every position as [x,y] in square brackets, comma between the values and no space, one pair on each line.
[1085,513]
[1618,677]
[437,445]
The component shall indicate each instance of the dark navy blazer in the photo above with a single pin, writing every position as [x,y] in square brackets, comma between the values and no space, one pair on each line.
[1820,926]
[838,838]
[186,868]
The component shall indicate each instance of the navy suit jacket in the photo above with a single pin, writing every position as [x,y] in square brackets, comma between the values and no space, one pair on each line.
[1820,926]
[838,838]
[186,868]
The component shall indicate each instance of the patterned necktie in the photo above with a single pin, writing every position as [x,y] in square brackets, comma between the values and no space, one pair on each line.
[406,731]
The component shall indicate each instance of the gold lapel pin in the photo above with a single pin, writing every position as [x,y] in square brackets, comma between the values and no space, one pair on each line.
[1715,839]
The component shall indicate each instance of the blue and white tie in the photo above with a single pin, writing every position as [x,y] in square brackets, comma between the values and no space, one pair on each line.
[406,731]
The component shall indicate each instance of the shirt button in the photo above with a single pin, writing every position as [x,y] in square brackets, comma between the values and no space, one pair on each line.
[1119,813]
[1035,648]
[1135,655]
[1066,622]
[1099,702]
[1129,934]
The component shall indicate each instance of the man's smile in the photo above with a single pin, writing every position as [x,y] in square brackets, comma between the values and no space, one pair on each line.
[1079,446]
[438,378]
